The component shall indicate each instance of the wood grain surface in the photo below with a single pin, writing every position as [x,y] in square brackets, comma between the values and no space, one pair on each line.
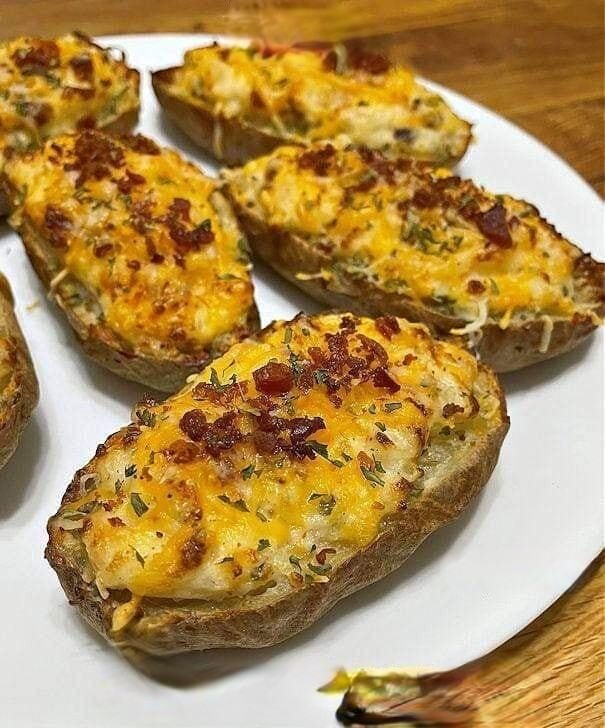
[537,62]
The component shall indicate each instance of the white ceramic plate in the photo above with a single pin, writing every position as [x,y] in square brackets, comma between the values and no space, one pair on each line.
[468,588]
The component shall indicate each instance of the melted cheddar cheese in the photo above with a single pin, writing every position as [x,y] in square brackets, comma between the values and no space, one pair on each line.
[414,231]
[48,87]
[277,463]
[146,235]
[304,95]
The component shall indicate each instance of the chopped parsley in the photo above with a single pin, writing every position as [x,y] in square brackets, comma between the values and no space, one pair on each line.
[138,504]
[240,504]
[371,476]
[392,406]
[130,471]
[263,544]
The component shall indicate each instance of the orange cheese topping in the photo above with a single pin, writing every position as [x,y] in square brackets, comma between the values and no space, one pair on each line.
[415,231]
[278,462]
[305,95]
[147,235]
[49,87]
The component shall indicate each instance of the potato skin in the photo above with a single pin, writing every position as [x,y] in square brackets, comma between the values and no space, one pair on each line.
[503,350]
[240,142]
[21,396]
[164,626]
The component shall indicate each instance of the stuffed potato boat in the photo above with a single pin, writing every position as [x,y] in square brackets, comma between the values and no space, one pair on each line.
[239,103]
[358,231]
[309,461]
[49,87]
[138,248]
[18,383]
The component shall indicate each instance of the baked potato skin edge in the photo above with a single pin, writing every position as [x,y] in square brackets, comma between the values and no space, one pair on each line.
[24,391]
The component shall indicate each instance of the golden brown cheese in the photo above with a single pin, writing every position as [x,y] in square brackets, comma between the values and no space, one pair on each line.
[307,95]
[417,231]
[146,234]
[48,87]
[278,462]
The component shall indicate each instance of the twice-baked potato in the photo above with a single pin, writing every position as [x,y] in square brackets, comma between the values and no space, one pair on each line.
[364,233]
[49,87]
[239,103]
[18,383]
[138,248]
[309,461]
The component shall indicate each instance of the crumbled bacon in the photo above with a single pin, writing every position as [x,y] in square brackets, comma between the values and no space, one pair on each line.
[180,208]
[388,326]
[95,156]
[270,435]
[192,552]
[373,63]
[409,358]
[493,225]
[424,198]
[451,408]
[193,424]
[383,439]
[82,66]
[374,350]
[102,250]
[274,378]
[115,522]
[71,92]
[182,451]
[318,160]
[141,144]
[141,215]
[129,181]
[38,58]
[475,287]
[383,380]
[321,556]
[222,396]
[58,224]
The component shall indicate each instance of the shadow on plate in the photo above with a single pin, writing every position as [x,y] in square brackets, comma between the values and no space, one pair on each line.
[16,481]
[190,670]
[179,141]
[547,371]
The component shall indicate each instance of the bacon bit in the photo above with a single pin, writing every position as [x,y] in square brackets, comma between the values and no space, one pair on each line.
[296,580]
[141,215]
[101,251]
[192,552]
[152,252]
[493,225]
[37,59]
[193,424]
[408,359]
[475,287]
[95,155]
[375,351]
[450,409]
[318,160]
[321,556]
[348,324]
[365,185]
[141,144]
[383,439]
[424,199]
[58,224]
[131,434]
[373,63]
[70,92]
[384,167]
[382,380]
[134,264]
[179,208]
[129,181]
[115,522]
[223,396]
[387,325]
[181,451]
[82,66]
[269,428]
[274,378]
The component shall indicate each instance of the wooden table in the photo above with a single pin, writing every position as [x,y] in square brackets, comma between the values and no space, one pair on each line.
[537,62]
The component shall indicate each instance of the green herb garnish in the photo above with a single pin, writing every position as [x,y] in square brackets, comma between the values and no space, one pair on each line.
[138,504]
